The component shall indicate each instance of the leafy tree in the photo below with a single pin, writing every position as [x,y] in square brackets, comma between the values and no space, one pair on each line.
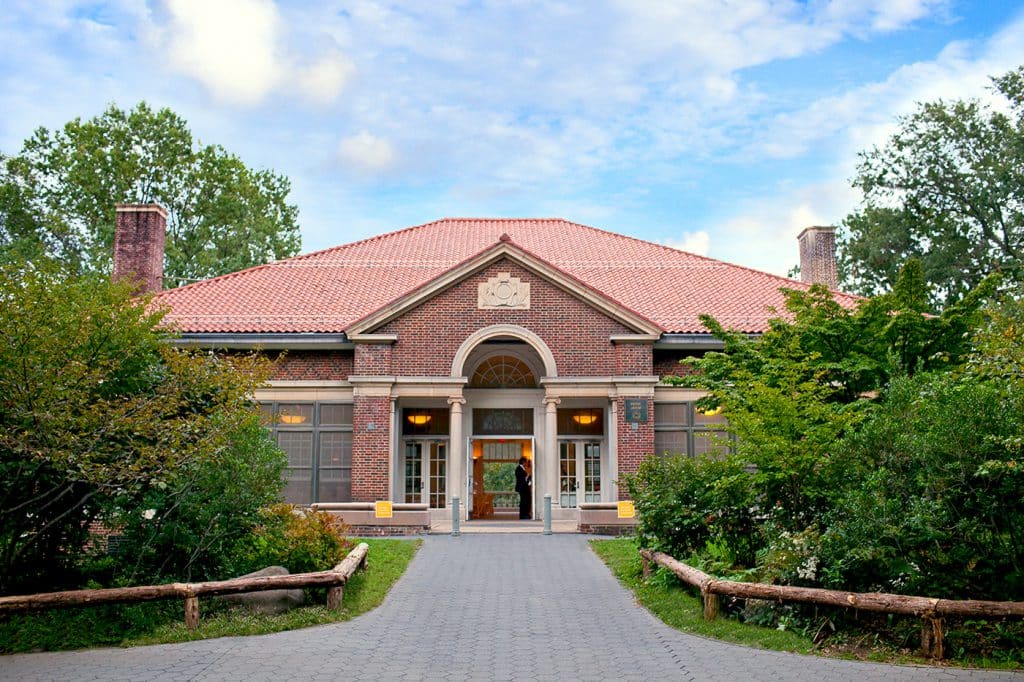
[948,190]
[59,194]
[96,409]
[999,340]
[21,237]
[795,392]
[846,353]
[878,448]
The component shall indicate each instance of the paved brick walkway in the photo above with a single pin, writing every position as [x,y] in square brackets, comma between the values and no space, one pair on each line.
[481,607]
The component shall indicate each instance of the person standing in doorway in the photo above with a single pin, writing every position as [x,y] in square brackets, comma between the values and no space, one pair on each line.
[523,481]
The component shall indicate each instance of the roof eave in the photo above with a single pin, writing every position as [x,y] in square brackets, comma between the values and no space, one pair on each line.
[702,341]
[264,341]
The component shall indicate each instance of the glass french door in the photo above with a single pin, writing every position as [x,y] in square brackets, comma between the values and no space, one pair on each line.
[579,472]
[425,468]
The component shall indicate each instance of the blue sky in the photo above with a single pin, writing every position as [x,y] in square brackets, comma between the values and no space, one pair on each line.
[722,128]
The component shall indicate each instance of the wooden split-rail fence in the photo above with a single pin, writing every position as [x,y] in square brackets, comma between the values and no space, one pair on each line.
[334,580]
[930,611]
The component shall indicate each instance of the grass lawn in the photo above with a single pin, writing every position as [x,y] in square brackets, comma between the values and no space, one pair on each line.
[679,607]
[163,622]
[666,598]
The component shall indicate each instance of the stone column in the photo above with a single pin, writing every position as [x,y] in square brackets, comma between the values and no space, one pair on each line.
[456,453]
[613,451]
[395,429]
[551,449]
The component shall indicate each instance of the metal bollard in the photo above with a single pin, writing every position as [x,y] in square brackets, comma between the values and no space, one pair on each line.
[455,516]
[547,514]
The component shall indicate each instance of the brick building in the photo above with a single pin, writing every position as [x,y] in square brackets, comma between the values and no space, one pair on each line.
[421,364]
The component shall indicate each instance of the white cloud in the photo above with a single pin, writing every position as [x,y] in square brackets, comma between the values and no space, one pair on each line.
[237,49]
[528,93]
[761,233]
[866,115]
[526,107]
[232,47]
[698,242]
[723,37]
[367,152]
[322,82]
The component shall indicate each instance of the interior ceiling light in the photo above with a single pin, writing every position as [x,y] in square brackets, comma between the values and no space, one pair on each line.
[418,418]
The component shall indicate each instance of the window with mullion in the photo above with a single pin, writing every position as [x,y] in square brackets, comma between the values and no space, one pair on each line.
[680,429]
[317,437]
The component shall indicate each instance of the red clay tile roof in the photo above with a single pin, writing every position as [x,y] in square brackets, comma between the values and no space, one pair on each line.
[328,290]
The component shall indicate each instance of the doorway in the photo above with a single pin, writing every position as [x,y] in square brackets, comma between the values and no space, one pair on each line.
[425,468]
[579,472]
[492,476]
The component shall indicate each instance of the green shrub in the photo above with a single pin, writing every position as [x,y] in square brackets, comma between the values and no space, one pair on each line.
[789,558]
[684,503]
[940,510]
[300,540]
[187,528]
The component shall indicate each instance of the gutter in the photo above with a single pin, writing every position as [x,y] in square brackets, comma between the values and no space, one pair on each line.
[688,342]
[693,341]
[266,341]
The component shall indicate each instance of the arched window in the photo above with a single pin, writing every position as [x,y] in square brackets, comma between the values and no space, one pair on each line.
[503,371]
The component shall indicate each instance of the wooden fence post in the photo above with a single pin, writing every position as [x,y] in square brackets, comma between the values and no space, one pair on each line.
[334,595]
[711,602]
[645,567]
[191,613]
[931,636]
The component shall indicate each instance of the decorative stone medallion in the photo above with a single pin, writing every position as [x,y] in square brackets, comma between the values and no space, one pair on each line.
[504,291]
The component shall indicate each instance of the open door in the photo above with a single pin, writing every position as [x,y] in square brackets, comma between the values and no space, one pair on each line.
[537,511]
[491,477]
[468,499]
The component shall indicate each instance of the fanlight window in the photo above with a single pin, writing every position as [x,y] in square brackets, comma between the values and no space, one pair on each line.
[503,371]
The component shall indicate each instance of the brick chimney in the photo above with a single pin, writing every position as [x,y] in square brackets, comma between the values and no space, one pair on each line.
[139,245]
[818,256]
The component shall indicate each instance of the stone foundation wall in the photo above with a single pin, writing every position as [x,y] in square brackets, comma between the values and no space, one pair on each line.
[616,530]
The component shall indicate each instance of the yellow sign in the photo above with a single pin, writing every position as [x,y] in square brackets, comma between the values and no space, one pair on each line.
[626,510]
[383,510]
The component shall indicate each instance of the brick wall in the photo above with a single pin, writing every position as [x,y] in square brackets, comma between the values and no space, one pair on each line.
[370,448]
[666,362]
[634,446]
[373,360]
[633,360]
[429,335]
[312,365]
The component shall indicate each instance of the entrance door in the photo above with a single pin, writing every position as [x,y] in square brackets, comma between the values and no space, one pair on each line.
[425,465]
[579,472]
[491,470]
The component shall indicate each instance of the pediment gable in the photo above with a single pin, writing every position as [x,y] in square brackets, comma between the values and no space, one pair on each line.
[504,290]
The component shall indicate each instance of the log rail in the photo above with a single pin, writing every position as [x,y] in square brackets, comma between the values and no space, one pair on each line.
[930,611]
[333,579]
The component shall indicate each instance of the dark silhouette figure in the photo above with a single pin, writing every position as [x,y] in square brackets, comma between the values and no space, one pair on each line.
[523,481]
